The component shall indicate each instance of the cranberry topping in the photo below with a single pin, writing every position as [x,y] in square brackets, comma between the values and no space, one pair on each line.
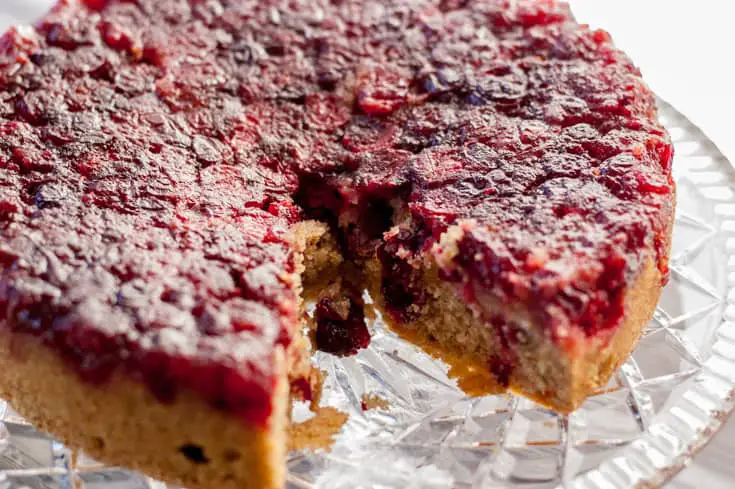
[301,389]
[402,283]
[155,153]
[341,327]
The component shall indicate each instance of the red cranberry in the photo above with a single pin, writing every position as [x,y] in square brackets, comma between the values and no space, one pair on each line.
[96,4]
[302,389]
[503,360]
[119,38]
[341,334]
[381,91]
[401,284]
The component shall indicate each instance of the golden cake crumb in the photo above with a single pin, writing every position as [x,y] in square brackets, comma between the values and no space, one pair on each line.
[317,432]
[372,401]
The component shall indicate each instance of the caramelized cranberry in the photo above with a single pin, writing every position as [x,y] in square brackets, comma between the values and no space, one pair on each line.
[301,389]
[381,91]
[96,4]
[402,286]
[339,331]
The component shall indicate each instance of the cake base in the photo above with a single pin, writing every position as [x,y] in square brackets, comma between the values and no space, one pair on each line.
[186,442]
[555,376]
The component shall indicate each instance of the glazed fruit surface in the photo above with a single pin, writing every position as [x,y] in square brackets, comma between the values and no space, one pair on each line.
[154,154]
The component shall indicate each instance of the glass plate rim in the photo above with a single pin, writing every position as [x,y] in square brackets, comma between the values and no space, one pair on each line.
[699,414]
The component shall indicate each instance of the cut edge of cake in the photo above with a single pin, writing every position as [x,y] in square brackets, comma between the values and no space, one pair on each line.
[452,331]
[558,375]
[185,442]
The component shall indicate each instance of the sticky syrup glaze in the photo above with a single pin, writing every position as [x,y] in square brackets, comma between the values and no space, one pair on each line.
[154,154]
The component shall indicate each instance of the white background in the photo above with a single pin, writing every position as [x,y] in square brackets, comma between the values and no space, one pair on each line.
[685,50]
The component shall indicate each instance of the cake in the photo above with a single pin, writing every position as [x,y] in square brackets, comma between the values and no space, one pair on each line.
[178,176]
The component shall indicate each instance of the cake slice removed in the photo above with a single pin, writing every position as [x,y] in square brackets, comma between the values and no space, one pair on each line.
[527,262]
[521,236]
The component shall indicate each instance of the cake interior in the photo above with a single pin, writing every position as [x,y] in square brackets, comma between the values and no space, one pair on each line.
[490,345]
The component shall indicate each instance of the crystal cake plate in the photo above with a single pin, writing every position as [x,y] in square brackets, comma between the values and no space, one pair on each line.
[662,406]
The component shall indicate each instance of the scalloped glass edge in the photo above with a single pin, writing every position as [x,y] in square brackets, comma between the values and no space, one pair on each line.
[677,434]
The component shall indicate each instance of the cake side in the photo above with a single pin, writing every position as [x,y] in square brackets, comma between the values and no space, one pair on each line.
[484,361]
[491,344]
[184,442]
[179,440]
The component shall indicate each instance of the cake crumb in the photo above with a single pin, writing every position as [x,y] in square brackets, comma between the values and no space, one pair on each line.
[317,432]
[372,401]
